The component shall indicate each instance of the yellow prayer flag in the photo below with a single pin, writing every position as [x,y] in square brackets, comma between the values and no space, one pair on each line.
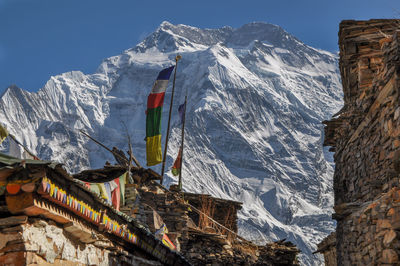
[153,150]
[103,191]
[3,133]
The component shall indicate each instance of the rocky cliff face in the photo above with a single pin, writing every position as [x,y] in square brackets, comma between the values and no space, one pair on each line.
[256,99]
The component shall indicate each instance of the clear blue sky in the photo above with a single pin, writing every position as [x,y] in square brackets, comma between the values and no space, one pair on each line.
[41,38]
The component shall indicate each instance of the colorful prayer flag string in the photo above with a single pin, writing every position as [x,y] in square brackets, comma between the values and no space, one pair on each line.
[155,103]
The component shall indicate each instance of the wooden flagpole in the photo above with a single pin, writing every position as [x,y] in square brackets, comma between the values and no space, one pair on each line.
[182,141]
[114,153]
[177,58]
[23,146]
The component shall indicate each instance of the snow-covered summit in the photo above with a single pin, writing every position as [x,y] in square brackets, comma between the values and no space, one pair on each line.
[178,36]
[257,96]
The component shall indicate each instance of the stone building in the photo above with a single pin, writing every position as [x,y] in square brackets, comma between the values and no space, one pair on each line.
[204,228]
[365,136]
[49,218]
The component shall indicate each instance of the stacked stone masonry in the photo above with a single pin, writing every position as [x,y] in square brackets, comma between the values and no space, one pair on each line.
[200,240]
[365,136]
[37,241]
[328,248]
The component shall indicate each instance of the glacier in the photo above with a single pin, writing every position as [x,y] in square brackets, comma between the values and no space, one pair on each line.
[256,99]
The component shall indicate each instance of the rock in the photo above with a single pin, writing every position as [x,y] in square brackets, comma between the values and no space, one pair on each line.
[389,237]
[227,247]
[383,224]
[5,238]
[13,220]
[390,212]
[389,256]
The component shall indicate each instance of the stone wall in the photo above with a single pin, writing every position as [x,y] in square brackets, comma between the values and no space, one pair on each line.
[328,248]
[162,206]
[37,241]
[370,233]
[365,136]
[213,249]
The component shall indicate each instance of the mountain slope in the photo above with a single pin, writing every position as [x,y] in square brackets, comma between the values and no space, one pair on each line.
[256,99]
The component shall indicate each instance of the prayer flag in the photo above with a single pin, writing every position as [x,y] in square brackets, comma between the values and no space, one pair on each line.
[18,150]
[3,133]
[122,182]
[181,111]
[167,242]
[115,195]
[103,192]
[162,235]
[155,102]
[161,231]
[108,192]
[176,168]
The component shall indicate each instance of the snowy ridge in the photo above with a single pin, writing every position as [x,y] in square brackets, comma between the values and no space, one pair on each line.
[257,96]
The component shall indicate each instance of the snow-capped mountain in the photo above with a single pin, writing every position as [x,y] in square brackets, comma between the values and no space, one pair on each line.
[256,99]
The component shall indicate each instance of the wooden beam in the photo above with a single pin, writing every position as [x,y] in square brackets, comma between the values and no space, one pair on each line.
[19,203]
[13,220]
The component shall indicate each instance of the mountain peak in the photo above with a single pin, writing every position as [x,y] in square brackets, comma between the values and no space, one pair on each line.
[12,89]
[165,24]
[264,32]
[169,37]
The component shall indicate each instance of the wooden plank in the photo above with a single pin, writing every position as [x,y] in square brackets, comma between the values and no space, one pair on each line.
[13,220]
[39,174]
[56,217]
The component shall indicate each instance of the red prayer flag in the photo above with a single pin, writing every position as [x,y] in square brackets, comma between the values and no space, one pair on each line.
[176,168]
[116,195]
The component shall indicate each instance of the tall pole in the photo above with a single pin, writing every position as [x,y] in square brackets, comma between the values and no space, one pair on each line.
[182,141]
[177,58]
[108,149]
[24,147]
